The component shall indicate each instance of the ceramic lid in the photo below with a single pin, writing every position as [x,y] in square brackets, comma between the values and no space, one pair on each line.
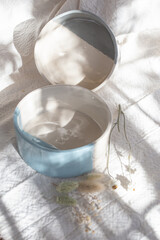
[76,48]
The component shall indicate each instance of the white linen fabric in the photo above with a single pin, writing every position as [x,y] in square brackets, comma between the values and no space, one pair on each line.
[129,212]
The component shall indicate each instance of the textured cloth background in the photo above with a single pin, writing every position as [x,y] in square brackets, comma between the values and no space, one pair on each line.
[135,84]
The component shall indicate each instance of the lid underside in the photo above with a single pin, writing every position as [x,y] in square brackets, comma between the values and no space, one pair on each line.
[76,48]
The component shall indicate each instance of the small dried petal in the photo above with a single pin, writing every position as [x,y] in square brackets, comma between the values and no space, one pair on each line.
[98,207]
[88,219]
[88,228]
[114,186]
[80,221]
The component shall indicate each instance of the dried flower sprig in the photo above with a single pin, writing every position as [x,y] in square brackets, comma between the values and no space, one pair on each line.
[117,123]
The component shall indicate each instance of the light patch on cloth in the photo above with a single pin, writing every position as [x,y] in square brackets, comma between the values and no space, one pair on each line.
[136,16]
[152,217]
[137,72]
[5,83]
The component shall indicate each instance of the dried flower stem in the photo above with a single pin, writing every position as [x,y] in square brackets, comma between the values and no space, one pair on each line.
[119,113]
[108,154]
[125,134]
[109,141]
[119,159]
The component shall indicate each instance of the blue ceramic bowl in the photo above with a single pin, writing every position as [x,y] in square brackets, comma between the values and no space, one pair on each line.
[52,110]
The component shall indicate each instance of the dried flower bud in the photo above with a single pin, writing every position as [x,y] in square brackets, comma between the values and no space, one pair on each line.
[114,186]
[66,187]
[95,176]
[89,186]
[66,200]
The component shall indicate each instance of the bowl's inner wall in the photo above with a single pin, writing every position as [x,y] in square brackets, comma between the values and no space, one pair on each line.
[75,49]
[64,116]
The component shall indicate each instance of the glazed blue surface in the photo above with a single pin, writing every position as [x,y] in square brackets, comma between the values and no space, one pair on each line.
[49,161]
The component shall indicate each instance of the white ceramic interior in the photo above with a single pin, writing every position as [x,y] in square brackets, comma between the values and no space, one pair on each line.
[64,116]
